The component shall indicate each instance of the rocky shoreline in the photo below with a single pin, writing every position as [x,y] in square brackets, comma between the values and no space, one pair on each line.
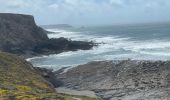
[19,80]
[20,35]
[110,80]
[121,80]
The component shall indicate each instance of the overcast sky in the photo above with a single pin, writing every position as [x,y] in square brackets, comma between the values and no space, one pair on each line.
[90,12]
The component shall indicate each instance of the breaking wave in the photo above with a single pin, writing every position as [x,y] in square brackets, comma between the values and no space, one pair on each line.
[111,47]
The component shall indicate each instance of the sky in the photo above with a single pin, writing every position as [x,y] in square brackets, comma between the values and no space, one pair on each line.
[90,12]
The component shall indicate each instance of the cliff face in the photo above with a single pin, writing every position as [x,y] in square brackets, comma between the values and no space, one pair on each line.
[18,79]
[19,33]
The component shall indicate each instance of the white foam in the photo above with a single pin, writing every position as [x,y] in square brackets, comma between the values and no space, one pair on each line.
[107,50]
[112,42]
[38,57]
[56,30]
[151,45]
[156,53]
[70,35]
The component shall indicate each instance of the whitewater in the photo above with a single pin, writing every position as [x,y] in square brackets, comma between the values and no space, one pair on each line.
[136,42]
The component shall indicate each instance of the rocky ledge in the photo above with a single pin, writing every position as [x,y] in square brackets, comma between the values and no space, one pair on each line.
[121,80]
[20,35]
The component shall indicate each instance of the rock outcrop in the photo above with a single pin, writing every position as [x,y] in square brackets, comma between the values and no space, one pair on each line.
[61,45]
[121,80]
[48,75]
[20,35]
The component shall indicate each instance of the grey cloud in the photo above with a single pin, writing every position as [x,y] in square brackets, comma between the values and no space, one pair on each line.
[79,12]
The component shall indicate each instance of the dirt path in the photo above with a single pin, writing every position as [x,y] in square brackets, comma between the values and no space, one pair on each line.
[75,92]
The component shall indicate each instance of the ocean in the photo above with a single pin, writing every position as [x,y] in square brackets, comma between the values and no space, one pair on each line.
[117,42]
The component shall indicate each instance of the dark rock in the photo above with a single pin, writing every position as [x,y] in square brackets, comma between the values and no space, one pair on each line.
[61,45]
[49,76]
[20,35]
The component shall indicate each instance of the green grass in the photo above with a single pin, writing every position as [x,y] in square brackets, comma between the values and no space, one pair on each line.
[19,80]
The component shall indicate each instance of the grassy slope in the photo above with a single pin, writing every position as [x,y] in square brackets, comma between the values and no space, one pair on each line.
[19,80]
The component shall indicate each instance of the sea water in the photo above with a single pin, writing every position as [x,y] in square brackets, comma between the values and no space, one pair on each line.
[117,42]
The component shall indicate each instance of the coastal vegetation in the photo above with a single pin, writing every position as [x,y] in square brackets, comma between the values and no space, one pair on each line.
[20,81]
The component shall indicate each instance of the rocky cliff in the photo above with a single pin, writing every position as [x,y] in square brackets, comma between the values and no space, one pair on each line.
[20,35]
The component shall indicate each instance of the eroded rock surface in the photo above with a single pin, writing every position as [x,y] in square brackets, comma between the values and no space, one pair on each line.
[122,80]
